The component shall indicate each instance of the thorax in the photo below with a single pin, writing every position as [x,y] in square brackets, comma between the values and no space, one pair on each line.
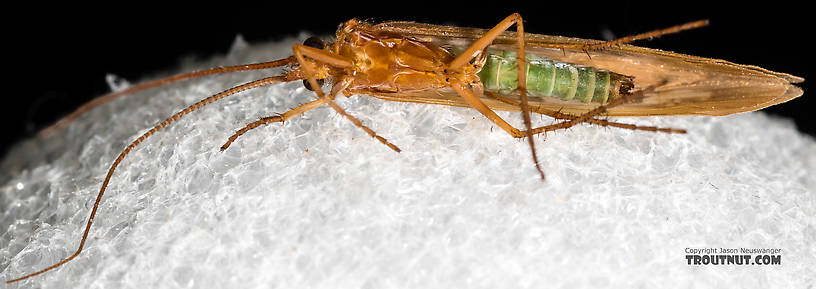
[393,63]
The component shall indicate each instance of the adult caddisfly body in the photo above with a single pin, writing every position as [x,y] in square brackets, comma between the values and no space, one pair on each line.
[570,79]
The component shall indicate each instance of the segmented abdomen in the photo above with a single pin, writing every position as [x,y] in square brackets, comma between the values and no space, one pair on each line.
[551,78]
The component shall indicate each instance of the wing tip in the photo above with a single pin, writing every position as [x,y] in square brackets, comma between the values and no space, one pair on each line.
[792,92]
[793,78]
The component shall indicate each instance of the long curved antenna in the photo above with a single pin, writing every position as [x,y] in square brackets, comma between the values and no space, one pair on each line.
[63,122]
[163,124]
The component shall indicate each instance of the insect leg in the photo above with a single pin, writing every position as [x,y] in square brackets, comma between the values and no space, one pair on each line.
[335,61]
[603,122]
[595,121]
[474,101]
[140,139]
[301,109]
[477,47]
[592,113]
[646,35]
[627,39]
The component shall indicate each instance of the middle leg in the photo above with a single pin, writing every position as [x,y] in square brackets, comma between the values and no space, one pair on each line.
[467,93]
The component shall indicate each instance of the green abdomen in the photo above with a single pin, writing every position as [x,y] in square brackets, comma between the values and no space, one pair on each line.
[551,78]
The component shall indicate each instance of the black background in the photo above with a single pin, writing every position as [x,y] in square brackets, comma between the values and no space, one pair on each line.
[57,56]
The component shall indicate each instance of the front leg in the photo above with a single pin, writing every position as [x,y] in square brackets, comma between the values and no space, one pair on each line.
[331,59]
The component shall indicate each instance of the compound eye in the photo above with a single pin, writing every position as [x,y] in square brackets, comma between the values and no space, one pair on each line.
[314,42]
[309,86]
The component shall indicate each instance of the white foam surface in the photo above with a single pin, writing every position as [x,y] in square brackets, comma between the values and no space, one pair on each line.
[316,203]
